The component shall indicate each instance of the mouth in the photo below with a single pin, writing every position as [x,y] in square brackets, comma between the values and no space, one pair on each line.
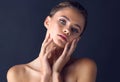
[63,37]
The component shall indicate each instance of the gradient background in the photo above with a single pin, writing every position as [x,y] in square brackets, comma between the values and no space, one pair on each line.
[22,33]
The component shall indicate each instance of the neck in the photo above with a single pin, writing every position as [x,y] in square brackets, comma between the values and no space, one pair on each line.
[55,54]
[51,59]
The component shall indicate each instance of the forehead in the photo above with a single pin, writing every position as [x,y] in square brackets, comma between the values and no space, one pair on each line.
[73,14]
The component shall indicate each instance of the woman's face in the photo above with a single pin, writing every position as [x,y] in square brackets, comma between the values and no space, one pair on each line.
[65,25]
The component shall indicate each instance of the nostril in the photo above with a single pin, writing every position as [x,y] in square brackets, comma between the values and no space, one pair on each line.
[66,31]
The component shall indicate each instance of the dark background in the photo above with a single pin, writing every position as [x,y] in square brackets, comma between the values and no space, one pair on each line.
[22,33]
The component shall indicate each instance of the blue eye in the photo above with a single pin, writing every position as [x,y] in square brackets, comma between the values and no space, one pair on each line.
[62,21]
[74,30]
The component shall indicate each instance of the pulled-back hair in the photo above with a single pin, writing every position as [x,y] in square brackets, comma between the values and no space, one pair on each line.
[70,4]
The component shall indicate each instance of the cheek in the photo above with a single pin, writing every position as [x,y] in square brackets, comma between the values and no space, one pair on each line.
[56,29]
[53,31]
[72,38]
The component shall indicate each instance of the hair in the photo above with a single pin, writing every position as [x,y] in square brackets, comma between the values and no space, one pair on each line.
[71,4]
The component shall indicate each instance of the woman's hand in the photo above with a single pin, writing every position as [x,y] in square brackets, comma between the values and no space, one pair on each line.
[46,69]
[65,56]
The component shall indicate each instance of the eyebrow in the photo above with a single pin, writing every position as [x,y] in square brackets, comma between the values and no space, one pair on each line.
[69,20]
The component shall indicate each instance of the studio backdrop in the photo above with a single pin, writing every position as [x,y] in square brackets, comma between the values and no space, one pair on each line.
[22,32]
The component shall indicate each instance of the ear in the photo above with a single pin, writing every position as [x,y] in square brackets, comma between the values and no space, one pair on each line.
[47,22]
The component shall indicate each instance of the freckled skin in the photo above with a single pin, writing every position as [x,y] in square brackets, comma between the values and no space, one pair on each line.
[54,63]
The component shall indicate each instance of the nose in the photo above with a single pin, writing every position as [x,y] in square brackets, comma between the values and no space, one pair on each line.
[66,31]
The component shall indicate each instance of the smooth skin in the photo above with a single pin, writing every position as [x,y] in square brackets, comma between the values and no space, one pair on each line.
[54,63]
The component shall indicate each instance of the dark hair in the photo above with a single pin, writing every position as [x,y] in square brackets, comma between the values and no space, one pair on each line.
[72,4]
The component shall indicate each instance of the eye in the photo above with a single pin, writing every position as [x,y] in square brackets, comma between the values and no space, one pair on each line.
[75,30]
[62,21]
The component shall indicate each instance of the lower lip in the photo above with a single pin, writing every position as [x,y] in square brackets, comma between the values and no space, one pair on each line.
[63,38]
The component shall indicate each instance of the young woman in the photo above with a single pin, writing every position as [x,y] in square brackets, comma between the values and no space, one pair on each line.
[65,25]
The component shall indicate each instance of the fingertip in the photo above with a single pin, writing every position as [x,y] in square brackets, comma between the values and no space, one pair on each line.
[74,41]
[67,44]
[48,35]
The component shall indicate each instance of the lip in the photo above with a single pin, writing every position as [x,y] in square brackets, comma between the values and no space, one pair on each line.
[63,37]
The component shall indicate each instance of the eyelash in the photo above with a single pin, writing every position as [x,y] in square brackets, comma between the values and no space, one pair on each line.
[73,29]
[63,22]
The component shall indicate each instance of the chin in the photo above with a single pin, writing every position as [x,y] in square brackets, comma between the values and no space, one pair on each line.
[59,43]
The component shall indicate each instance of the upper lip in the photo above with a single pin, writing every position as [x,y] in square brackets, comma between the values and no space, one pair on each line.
[63,36]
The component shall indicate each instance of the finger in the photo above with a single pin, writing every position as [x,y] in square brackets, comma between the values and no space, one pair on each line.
[43,49]
[46,38]
[62,58]
[65,50]
[46,44]
[47,35]
[69,49]
[49,52]
[72,47]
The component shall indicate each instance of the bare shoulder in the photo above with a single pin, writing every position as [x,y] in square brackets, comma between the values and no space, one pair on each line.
[13,72]
[86,70]
[82,63]
[82,70]
[86,63]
